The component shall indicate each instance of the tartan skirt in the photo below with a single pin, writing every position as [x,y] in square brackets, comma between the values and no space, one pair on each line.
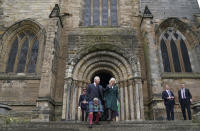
[95,108]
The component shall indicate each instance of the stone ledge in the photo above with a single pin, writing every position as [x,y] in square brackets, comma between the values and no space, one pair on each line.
[46,99]
[180,75]
[16,103]
[19,76]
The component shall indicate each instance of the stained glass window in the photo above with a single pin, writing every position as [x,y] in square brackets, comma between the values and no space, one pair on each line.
[33,59]
[12,56]
[178,60]
[23,53]
[96,13]
[22,57]
[30,34]
[165,56]
[96,21]
[21,35]
[104,12]
[175,57]
[87,13]
[176,35]
[113,12]
[166,35]
[185,56]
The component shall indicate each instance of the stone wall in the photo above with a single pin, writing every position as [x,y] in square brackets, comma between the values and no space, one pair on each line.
[16,10]
[171,8]
[20,93]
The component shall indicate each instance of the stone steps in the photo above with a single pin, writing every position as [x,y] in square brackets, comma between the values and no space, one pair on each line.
[108,126]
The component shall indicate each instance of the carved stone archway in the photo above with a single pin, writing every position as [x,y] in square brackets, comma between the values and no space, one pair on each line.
[79,74]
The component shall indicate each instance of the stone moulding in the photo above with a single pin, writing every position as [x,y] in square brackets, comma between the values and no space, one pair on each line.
[180,75]
[19,77]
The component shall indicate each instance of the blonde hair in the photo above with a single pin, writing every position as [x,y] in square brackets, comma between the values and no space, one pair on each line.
[112,79]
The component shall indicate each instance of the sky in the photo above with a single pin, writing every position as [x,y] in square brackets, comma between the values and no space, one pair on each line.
[199,2]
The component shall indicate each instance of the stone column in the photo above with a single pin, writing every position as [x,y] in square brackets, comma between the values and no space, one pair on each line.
[66,99]
[80,86]
[126,93]
[154,68]
[137,101]
[140,103]
[74,100]
[131,102]
[121,101]
[45,102]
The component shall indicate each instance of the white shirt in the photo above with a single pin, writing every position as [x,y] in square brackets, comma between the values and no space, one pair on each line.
[183,93]
[169,93]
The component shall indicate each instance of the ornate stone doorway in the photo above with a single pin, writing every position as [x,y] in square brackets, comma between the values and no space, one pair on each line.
[106,64]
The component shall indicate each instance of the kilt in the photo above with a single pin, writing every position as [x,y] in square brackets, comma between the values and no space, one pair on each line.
[95,108]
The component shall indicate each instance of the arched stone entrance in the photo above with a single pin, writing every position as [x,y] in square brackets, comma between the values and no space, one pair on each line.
[106,64]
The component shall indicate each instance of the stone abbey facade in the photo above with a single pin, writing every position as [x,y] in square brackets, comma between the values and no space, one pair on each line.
[51,49]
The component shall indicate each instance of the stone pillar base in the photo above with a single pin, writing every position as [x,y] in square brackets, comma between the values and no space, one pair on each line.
[157,109]
[44,111]
[4,112]
[196,112]
[4,109]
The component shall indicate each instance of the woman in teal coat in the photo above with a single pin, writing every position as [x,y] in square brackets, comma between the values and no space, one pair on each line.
[111,96]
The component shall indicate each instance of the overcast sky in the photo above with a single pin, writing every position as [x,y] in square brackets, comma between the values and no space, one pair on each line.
[199,2]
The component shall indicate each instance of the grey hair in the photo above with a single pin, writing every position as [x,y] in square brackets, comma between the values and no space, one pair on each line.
[96,77]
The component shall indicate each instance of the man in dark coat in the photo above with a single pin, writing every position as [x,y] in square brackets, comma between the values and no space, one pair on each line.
[169,102]
[83,104]
[185,98]
[94,98]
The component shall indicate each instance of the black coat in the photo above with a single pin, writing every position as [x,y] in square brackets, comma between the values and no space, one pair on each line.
[165,96]
[93,92]
[81,99]
[187,95]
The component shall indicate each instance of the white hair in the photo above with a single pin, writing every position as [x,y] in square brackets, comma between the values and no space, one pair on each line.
[96,77]
[112,79]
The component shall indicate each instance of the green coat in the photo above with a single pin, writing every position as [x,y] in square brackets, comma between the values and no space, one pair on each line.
[110,97]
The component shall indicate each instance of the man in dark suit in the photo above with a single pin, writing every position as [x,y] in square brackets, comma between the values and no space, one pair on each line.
[169,102]
[185,98]
[94,98]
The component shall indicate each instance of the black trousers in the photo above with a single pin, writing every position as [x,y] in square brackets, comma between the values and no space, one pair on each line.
[84,115]
[185,104]
[170,111]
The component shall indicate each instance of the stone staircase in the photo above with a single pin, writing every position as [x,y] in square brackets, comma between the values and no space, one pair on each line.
[104,126]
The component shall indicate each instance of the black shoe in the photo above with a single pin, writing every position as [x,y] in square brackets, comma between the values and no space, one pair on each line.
[90,126]
[109,115]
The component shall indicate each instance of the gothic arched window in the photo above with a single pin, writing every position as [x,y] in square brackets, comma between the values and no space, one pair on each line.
[174,52]
[165,56]
[12,56]
[23,53]
[100,13]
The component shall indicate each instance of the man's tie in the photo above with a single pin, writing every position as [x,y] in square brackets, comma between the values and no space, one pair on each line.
[169,93]
[184,94]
